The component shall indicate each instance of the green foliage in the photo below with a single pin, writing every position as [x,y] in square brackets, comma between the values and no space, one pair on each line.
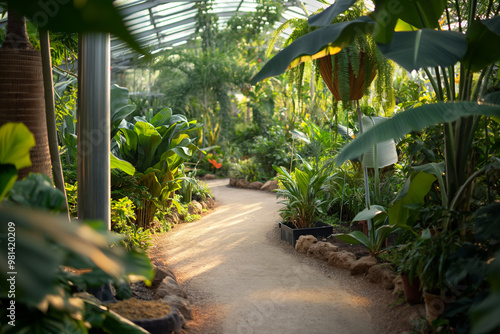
[15,143]
[272,149]
[302,192]
[122,222]
[44,244]
[36,191]
[72,198]
[247,169]
[156,148]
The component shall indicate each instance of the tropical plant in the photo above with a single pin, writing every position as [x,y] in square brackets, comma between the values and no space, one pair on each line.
[156,149]
[36,191]
[301,192]
[16,140]
[45,245]
[471,27]
[377,235]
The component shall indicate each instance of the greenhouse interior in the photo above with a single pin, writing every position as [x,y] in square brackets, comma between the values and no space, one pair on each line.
[251,166]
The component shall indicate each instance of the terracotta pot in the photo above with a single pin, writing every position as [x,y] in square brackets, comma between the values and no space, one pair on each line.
[412,291]
[356,83]
[434,306]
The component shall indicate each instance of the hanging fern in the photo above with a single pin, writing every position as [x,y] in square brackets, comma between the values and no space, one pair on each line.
[348,60]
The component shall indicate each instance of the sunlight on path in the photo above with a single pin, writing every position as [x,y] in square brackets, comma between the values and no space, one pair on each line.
[258,287]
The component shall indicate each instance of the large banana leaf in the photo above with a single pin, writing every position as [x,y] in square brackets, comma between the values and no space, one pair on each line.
[75,16]
[483,38]
[425,48]
[418,13]
[326,17]
[411,120]
[385,154]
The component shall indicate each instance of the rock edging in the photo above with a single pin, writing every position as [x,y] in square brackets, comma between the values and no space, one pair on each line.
[269,185]
[381,274]
[166,288]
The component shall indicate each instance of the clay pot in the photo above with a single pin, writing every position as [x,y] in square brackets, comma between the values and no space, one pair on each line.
[412,291]
[434,306]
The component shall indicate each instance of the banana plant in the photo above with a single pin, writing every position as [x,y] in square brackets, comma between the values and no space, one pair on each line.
[410,33]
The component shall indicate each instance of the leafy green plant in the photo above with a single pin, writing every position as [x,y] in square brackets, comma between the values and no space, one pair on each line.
[247,169]
[44,244]
[348,70]
[15,143]
[156,149]
[421,46]
[375,240]
[36,191]
[133,236]
[302,192]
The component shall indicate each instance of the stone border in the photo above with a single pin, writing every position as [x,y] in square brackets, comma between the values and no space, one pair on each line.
[166,288]
[270,185]
[380,273]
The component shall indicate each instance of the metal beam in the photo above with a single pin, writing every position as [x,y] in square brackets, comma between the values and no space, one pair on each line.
[127,10]
[94,128]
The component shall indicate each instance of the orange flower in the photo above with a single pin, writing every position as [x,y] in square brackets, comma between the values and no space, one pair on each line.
[215,163]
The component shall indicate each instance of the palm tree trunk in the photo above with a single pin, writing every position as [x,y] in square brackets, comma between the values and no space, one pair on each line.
[22,92]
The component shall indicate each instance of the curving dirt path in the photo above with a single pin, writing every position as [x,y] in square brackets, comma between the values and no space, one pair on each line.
[242,278]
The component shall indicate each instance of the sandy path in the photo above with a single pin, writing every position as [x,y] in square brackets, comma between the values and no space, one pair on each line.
[245,280]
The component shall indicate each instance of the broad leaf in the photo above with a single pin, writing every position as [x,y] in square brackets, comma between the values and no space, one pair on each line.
[8,176]
[355,237]
[385,153]
[148,140]
[436,169]
[411,120]
[425,48]
[367,214]
[326,17]
[337,35]
[122,165]
[296,134]
[162,117]
[483,45]
[416,187]
[417,13]
[16,140]
[37,191]
[44,242]
[76,16]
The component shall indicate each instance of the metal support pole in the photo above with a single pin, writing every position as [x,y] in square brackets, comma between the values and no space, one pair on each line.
[94,128]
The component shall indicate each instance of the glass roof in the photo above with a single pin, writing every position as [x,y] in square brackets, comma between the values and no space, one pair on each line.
[162,24]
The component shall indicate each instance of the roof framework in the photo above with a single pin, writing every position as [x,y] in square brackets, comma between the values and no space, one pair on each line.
[163,24]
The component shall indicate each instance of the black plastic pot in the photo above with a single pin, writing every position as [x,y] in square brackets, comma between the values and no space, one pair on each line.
[171,323]
[291,234]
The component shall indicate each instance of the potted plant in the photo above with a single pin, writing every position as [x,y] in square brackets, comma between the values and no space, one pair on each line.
[302,201]
[429,259]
